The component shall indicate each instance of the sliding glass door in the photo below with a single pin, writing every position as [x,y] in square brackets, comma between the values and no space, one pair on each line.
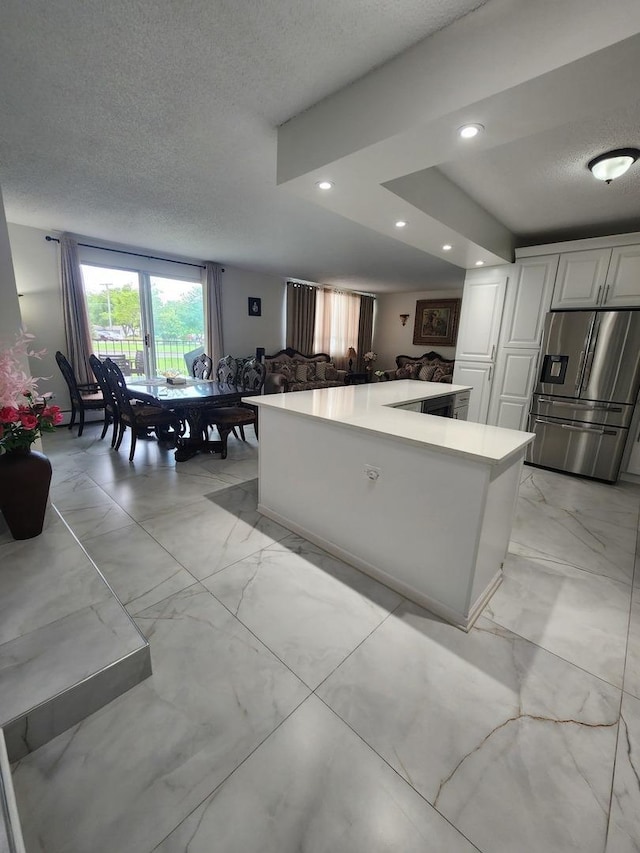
[146,323]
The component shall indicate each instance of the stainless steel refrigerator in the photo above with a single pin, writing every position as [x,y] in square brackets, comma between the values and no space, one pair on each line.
[584,400]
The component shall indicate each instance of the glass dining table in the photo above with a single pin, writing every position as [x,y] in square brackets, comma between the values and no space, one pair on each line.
[190,401]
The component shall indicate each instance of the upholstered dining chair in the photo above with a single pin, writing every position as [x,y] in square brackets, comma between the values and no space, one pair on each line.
[225,418]
[227,369]
[110,408]
[202,367]
[139,415]
[84,396]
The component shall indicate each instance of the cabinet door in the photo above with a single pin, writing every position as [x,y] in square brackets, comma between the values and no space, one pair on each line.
[512,388]
[478,375]
[633,462]
[581,279]
[480,318]
[622,289]
[527,302]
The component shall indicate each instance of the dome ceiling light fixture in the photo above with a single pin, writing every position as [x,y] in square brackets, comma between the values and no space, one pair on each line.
[606,167]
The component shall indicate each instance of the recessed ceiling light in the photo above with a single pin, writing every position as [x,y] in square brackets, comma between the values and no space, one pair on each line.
[479,263]
[400,223]
[613,164]
[468,131]
[325,185]
[447,247]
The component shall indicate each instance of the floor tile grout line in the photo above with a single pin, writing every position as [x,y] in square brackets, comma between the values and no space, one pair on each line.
[397,773]
[550,651]
[235,769]
[622,692]
[556,561]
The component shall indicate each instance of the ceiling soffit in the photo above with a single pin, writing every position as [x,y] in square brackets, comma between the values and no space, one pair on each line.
[380,138]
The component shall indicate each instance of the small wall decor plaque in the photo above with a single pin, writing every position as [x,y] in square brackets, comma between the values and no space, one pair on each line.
[255,306]
[436,322]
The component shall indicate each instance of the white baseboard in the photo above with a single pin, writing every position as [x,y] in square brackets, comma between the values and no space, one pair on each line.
[431,604]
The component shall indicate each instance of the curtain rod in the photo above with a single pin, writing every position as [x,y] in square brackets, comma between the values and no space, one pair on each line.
[133,254]
[328,287]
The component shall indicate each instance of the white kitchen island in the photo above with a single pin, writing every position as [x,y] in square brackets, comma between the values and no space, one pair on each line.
[424,504]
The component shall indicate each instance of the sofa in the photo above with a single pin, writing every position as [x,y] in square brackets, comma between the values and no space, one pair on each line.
[290,370]
[429,367]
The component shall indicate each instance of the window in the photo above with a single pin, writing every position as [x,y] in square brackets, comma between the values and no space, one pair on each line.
[145,322]
[336,324]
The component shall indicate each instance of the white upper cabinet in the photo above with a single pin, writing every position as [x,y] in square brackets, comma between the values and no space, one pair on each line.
[581,278]
[527,302]
[622,288]
[480,318]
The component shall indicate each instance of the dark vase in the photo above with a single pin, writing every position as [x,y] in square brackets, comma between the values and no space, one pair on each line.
[25,476]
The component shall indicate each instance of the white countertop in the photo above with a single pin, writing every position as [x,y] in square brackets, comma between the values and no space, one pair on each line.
[370,408]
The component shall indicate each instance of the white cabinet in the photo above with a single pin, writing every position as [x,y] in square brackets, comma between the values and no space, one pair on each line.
[478,375]
[622,288]
[527,302]
[480,321]
[516,372]
[633,462]
[528,299]
[481,315]
[581,278]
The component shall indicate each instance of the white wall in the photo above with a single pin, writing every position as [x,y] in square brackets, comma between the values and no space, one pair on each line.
[10,318]
[37,276]
[391,338]
[243,333]
[37,266]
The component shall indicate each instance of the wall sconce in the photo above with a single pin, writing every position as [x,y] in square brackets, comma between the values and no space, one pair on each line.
[404,318]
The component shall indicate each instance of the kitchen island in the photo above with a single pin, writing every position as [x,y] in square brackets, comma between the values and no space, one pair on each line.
[422,503]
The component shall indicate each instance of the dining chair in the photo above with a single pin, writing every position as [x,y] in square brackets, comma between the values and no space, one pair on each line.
[202,367]
[110,408]
[225,418]
[137,415]
[227,369]
[85,396]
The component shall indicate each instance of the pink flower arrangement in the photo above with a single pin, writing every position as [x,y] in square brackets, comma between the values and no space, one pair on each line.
[24,415]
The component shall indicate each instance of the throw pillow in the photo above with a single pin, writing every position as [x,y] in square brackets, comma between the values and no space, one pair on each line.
[302,371]
[413,368]
[426,372]
[321,370]
[331,372]
[442,374]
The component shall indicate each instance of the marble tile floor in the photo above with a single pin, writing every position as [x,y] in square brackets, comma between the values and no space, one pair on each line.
[296,704]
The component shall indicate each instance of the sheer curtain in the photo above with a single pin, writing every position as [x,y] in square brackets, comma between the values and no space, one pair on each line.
[336,326]
[301,316]
[74,309]
[212,281]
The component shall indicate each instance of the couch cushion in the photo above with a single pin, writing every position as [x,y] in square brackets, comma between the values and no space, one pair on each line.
[301,371]
[325,370]
[426,372]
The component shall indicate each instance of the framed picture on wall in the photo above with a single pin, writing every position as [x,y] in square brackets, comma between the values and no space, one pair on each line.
[255,306]
[436,322]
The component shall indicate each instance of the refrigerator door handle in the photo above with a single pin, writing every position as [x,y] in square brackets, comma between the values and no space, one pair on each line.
[591,351]
[577,404]
[592,430]
[579,372]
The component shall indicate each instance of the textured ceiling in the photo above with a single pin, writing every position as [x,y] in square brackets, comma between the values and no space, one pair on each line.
[153,123]
[549,170]
[161,124]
